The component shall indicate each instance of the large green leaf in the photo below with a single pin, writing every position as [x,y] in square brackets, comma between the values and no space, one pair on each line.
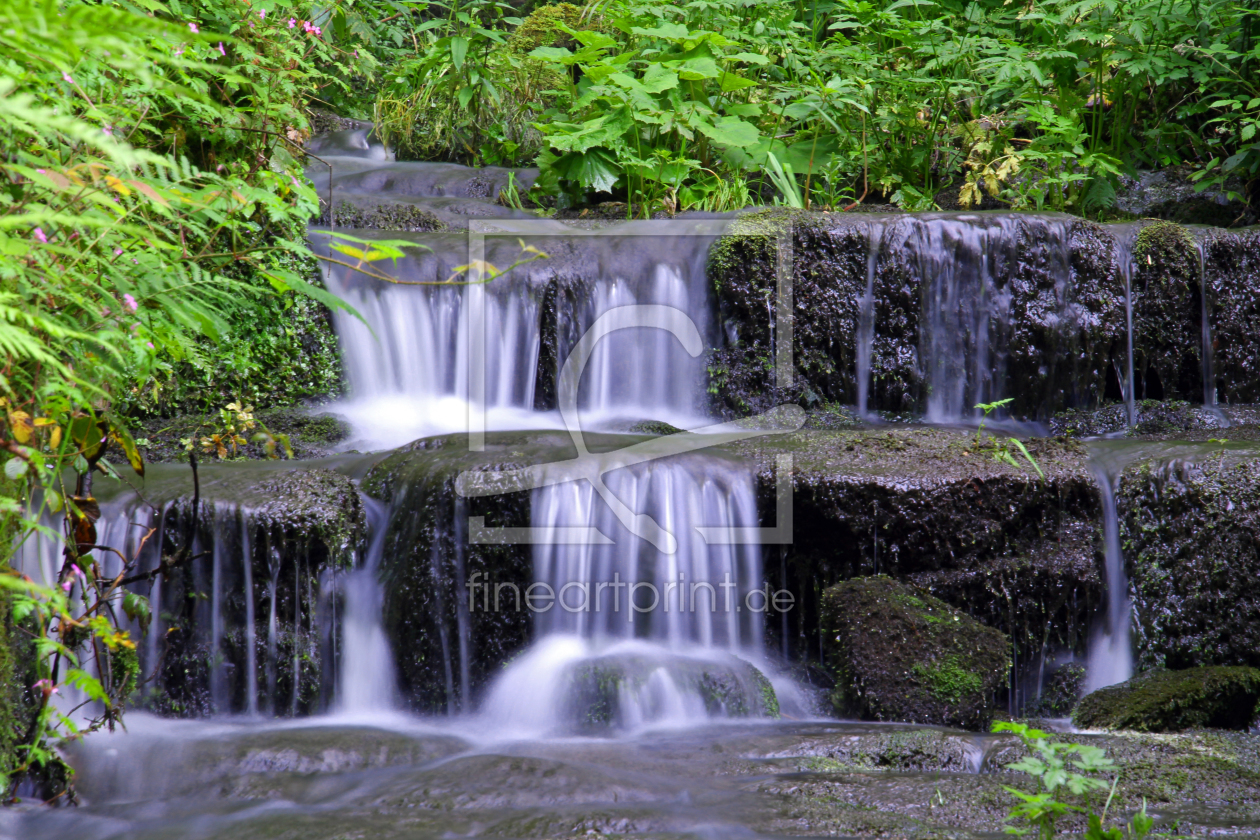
[659,79]
[730,131]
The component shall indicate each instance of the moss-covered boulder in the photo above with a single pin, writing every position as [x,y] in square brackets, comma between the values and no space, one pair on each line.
[1191,531]
[899,654]
[1172,701]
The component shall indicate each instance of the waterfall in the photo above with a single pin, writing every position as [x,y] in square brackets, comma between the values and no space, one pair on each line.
[1111,648]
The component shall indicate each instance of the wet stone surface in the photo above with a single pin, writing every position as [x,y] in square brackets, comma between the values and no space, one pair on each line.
[419,779]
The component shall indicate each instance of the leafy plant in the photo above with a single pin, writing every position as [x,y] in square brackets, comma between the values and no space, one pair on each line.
[1067,774]
[1000,448]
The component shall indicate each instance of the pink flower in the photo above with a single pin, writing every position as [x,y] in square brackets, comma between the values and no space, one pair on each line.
[106,312]
[67,78]
[292,22]
[318,32]
[46,686]
[149,344]
[179,51]
[262,14]
[65,586]
[39,235]
[76,571]
[42,171]
[193,28]
[221,50]
[306,24]
[118,252]
[109,130]
[129,303]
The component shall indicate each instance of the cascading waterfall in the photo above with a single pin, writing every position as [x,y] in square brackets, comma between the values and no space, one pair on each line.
[366,677]
[1111,648]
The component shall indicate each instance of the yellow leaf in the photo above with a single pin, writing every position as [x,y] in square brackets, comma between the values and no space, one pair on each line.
[117,186]
[20,423]
[55,441]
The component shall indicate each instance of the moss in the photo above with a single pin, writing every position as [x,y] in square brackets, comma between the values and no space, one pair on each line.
[385,215]
[900,654]
[948,680]
[1172,701]
[654,427]
[542,27]
[311,435]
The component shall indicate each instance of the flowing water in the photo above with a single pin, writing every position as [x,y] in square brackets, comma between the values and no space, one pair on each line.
[603,723]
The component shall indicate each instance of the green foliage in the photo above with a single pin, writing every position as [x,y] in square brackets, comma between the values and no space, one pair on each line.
[1068,777]
[151,202]
[1039,105]
[1002,449]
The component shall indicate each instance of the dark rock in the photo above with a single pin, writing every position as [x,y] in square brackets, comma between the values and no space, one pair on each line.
[1171,701]
[1171,194]
[1012,550]
[1167,314]
[1191,531]
[382,215]
[1232,275]
[1155,419]
[1059,326]
[654,427]
[293,528]
[901,654]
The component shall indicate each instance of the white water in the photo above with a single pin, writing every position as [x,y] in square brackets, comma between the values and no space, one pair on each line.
[1110,655]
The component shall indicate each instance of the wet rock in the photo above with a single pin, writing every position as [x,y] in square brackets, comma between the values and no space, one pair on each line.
[1171,194]
[1167,314]
[381,215]
[901,654]
[612,691]
[1171,701]
[1155,419]
[1232,274]
[1191,531]
[1010,549]
[1058,318]
[448,646]
[294,528]
[909,750]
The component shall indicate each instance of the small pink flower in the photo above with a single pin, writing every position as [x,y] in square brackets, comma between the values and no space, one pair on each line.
[193,28]
[46,686]
[262,14]
[318,32]
[251,24]
[42,171]
[292,22]
[149,344]
[39,235]
[118,252]
[76,571]
[65,586]
[306,25]
[129,303]
[179,51]
[106,312]
[135,262]
[109,130]
[67,78]
[221,50]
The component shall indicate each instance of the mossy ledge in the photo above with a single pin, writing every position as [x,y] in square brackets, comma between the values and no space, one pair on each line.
[1173,701]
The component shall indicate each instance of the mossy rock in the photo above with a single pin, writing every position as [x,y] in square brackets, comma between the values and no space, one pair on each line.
[654,427]
[1167,312]
[1173,701]
[899,654]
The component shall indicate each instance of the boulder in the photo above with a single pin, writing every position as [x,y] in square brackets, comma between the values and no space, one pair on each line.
[1171,701]
[899,654]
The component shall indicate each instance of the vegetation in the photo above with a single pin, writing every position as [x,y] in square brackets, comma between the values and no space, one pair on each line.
[152,212]
[1069,778]
[721,103]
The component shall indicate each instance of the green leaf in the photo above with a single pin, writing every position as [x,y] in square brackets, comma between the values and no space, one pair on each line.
[730,131]
[15,468]
[459,51]
[731,82]
[659,79]
[694,69]
[137,609]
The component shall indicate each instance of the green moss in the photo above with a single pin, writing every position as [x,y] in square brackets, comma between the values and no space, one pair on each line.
[542,27]
[949,680]
[1171,701]
[654,427]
